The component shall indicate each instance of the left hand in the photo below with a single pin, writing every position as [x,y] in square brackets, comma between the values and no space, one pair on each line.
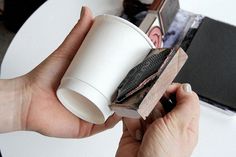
[173,135]
[42,111]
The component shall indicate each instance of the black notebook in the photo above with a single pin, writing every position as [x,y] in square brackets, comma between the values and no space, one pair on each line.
[211,66]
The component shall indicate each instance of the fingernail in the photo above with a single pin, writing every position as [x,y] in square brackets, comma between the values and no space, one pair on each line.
[138,135]
[82,11]
[187,87]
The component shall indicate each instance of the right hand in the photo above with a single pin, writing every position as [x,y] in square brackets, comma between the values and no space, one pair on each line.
[174,135]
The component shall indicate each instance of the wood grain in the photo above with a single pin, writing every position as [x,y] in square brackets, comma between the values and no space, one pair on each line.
[132,109]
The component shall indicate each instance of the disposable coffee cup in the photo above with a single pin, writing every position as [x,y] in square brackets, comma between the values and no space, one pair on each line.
[112,47]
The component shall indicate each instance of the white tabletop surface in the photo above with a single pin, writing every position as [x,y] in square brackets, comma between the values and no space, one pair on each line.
[47,28]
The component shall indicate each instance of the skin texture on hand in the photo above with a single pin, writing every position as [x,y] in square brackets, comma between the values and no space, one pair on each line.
[40,110]
[174,135]
[11,100]
[29,102]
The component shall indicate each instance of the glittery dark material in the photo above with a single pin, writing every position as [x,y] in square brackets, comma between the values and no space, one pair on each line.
[138,74]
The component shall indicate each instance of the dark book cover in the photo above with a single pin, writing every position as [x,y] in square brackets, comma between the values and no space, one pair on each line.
[211,66]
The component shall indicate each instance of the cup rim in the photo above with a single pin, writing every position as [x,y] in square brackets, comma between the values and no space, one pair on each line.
[81,88]
[137,29]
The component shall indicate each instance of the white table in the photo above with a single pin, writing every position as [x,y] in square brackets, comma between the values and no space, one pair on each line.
[47,28]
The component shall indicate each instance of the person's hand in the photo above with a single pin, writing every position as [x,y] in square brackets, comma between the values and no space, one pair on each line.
[45,113]
[174,135]
[39,108]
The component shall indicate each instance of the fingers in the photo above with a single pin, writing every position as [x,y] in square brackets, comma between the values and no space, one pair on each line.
[134,126]
[57,63]
[172,89]
[110,123]
[187,108]
[75,38]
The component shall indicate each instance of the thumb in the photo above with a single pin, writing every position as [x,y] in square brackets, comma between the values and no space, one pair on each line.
[57,63]
[187,107]
[75,38]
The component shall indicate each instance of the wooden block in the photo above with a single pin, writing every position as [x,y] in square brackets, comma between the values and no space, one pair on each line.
[159,18]
[167,13]
[149,21]
[151,26]
[156,4]
[132,108]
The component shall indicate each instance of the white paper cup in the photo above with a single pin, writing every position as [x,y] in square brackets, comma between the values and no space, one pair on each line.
[112,47]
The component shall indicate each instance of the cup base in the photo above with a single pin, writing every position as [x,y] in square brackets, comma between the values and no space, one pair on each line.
[73,94]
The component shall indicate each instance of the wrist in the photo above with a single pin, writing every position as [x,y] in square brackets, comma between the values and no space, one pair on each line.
[13,104]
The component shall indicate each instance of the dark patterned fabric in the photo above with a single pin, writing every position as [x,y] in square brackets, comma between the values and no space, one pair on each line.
[139,73]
